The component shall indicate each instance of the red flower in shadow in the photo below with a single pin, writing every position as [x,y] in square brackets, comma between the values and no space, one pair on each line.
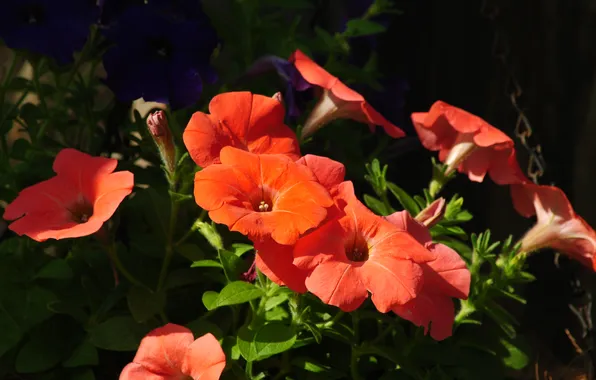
[83,195]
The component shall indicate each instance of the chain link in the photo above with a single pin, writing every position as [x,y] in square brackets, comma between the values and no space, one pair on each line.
[523,129]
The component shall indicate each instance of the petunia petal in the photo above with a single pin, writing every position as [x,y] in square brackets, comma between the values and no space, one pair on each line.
[276,262]
[337,283]
[328,172]
[204,359]
[436,310]
[134,371]
[164,349]
[391,281]
[448,274]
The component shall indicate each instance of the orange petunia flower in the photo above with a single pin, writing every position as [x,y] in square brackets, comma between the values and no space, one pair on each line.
[360,253]
[247,121]
[276,260]
[262,196]
[337,101]
[557,226]
[468,143]
[445,277]
[172,353]
[76,202]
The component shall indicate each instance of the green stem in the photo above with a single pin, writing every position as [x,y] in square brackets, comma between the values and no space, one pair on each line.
[248,370]
[113,255]
[333,321]
[354,365]
[169,245]
[192,230]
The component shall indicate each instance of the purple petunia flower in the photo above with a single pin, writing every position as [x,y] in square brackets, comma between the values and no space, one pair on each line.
[56,28]
[294,82]
[159,55]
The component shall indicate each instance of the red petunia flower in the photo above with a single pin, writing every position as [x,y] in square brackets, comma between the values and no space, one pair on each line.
[557,226]
[338,101]
[262,196]
[276,260]
[445,277]
[172,353]
[433,213]
[360,253]
[468,143]
[83,195]
[247,121]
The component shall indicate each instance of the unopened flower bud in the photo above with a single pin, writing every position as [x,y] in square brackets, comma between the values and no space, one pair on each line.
[278,96]
[157,124]
[433,213]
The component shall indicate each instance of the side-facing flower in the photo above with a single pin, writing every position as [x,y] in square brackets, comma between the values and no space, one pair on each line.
[337,100]
[445,277]
[557,225]
[468,143]
[158,57]
[172,353]
[275,260]
[294,82]
[83,195]
[247,121]
[358,254]
[262,195]
[56,28]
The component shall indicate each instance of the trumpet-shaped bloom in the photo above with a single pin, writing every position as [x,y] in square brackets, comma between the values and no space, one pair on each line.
[262,196]
[171,353]
[76,202]
[557,226]
[433,213]
[276,260]
[358,254]
[337,100]
[254,123]
[445,276]
[468,143]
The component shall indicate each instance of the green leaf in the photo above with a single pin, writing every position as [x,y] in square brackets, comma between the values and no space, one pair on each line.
[206,264]
[360,27]
[86,374]
[209,298]
[271,339]
[231,264]
[19,149]
[292,4]
[202,326]
[144,303]
[404,199]
[240,249]
[502,317]
[179,198]
[237,292]
[310,365]
[276,300]
[119,333]
[57,269]
[11,332]
[45,348]
[517,357]
[376,205]
[191,251]
[276,314]
[85,354]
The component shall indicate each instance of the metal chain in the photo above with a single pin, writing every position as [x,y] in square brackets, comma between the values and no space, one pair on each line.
[523,129]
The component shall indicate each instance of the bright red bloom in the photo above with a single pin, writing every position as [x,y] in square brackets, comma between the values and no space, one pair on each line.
[445,276]
[247,121]
[361,253]
[262,196]
[76,202]
[338,101]
[276,260]
[557,225]
[172,353]
[468,143]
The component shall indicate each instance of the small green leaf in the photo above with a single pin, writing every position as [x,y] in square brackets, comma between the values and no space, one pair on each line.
[276,314]
[202,326]
[271,339]
[144,303]
[502,317]
[276,300]
[57,269]
[85,354]
[231,264]
[517,357]
[237,292]
[119,333]
[360,27]
[179,198]
[206,264]
[19,149]
[44,349]
[404,199]
[240,249]
[209,298]
[376,205]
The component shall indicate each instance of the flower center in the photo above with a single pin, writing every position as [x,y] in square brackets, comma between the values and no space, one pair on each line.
[32,14]
[358,251]
[81,212]
[161,47]
[262,200]
[263,207]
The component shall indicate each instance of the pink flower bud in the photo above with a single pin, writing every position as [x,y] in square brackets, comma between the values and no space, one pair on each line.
[433,213]
[158,124]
